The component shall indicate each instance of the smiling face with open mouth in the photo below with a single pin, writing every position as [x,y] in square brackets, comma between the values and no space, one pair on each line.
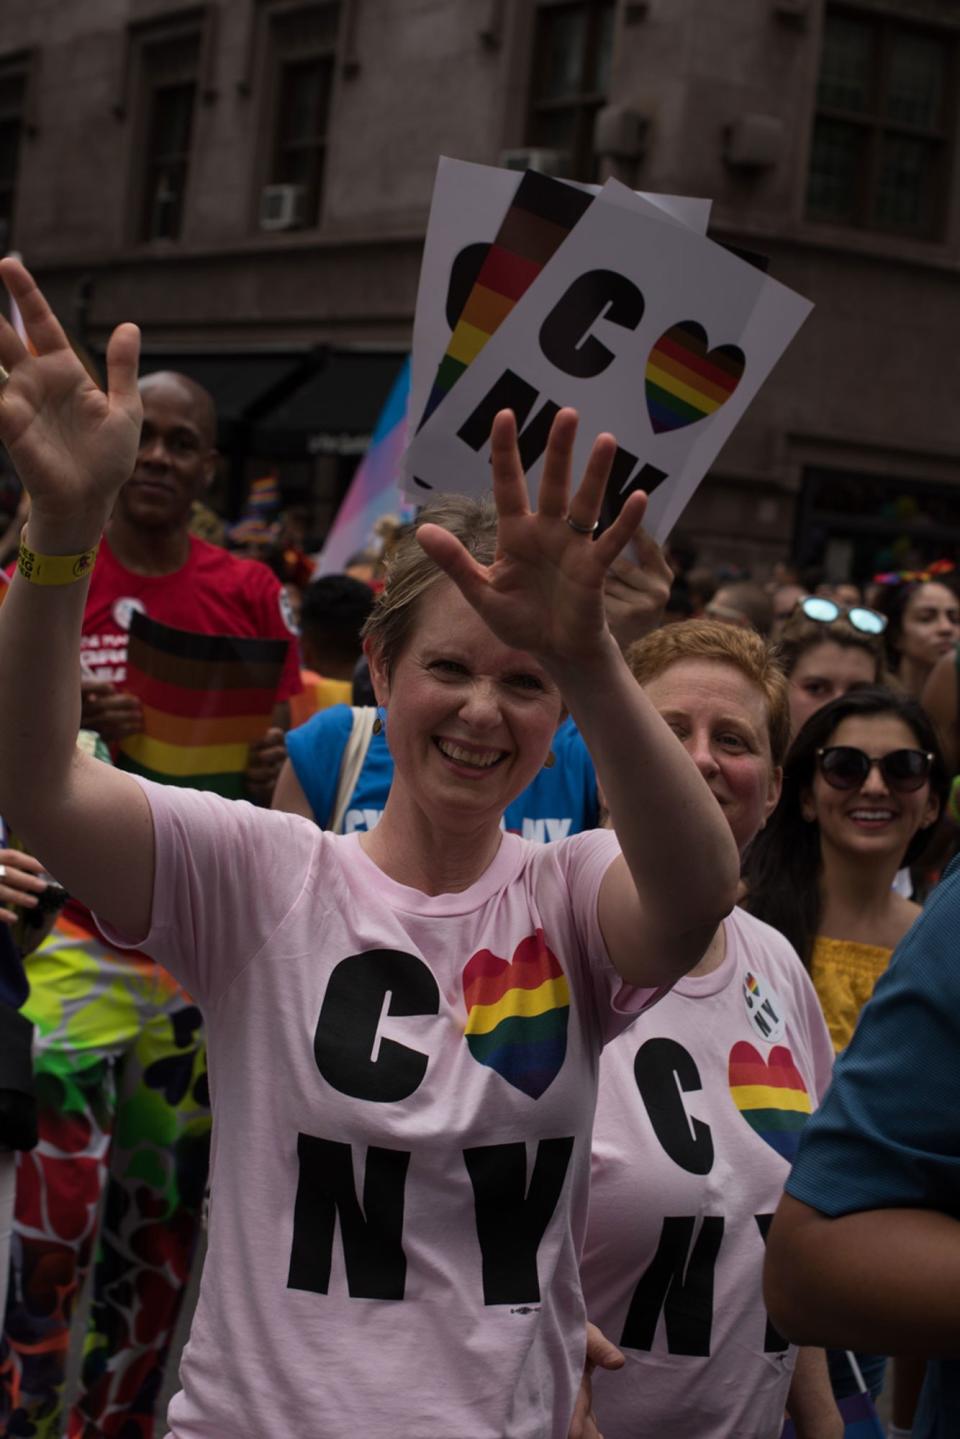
[876,818]
[469,721]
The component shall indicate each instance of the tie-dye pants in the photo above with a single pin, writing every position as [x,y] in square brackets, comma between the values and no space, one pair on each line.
[124,1143]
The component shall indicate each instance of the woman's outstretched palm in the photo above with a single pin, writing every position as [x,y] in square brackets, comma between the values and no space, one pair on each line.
[73,445]
[544,591]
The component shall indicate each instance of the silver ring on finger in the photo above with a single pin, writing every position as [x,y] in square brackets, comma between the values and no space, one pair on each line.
[3,871]
[4,376]
[583,529]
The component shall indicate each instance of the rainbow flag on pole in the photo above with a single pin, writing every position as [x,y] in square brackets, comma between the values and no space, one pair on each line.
[373,490]
[204,699]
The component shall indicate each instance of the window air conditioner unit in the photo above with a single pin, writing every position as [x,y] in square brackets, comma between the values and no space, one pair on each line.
[282,207]
[548,162]
[754,142]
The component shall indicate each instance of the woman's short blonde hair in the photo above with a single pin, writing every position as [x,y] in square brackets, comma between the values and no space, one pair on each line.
[411,572]
[744,649]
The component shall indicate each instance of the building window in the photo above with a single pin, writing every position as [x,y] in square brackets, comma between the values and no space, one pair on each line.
[572,51]
[881,141]
[303,47]
[170,68]
[911,523]
[13,95]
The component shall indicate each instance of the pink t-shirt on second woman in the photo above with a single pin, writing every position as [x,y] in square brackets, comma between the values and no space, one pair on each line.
[403,1089]
[699,1113]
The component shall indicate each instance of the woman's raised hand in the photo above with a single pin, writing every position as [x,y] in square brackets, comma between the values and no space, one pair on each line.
[73,445]
[544,591]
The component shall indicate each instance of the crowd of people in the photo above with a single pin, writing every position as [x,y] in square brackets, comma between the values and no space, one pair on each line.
[562,1031]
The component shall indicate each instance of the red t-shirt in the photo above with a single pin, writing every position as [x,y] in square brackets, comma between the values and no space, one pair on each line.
[214,593]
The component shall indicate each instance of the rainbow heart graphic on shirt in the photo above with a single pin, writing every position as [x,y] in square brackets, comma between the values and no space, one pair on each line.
[770,1094]
[517,1013]
[685,381]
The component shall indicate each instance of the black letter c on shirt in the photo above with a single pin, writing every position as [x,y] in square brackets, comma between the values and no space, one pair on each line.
[346,1032]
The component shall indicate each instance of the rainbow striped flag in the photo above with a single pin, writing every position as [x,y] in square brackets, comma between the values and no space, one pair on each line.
[204,699]
[541,215]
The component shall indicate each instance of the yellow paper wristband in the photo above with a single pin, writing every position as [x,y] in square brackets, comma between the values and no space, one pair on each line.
[54,569]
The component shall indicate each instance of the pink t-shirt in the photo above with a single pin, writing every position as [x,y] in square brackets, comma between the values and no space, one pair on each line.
[403,1089]
[700,1108]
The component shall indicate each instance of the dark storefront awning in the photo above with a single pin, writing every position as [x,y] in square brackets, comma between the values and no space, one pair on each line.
[289,403]
[335,409]
[238,382]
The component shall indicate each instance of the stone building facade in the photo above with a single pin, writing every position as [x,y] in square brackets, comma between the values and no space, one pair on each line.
[250,180]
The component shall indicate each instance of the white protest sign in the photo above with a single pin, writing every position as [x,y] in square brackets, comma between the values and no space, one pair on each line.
[469,203]
[648,329]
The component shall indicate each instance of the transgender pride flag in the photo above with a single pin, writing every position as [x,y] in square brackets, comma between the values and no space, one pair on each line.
[373,490]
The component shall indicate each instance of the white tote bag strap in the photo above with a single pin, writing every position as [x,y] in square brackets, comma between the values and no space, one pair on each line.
[354,754]
[858,1378]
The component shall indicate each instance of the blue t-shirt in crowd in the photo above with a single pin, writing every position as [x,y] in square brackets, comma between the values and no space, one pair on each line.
[887,1135]
[559,801]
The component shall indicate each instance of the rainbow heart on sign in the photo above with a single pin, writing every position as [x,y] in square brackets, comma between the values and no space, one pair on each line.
[770,1094]
[517,1014]
[685,381]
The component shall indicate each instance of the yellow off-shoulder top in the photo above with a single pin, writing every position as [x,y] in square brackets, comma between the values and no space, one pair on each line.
[844,973]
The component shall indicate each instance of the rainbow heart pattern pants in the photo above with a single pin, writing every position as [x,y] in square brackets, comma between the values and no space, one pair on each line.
[124,1121]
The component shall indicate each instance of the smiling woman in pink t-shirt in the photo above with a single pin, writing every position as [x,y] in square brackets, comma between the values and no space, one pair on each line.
[700,1108]
[404,1025]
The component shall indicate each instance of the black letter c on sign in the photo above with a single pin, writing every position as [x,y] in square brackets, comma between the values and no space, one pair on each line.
[350,1017]
[564,334]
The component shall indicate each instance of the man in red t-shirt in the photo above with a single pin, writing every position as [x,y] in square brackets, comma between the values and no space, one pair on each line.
[120,1067]
[149,561]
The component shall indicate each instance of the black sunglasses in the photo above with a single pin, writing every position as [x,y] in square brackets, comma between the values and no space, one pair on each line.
[845,767]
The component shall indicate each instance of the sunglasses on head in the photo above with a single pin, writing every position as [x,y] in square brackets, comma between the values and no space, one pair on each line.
[824,611]
[845,767]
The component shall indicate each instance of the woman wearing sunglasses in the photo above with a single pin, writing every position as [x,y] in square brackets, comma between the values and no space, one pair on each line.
[827,649]
[863,785]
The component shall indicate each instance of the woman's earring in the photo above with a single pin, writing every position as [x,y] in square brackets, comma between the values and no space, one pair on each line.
[550,760]
[378,724]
